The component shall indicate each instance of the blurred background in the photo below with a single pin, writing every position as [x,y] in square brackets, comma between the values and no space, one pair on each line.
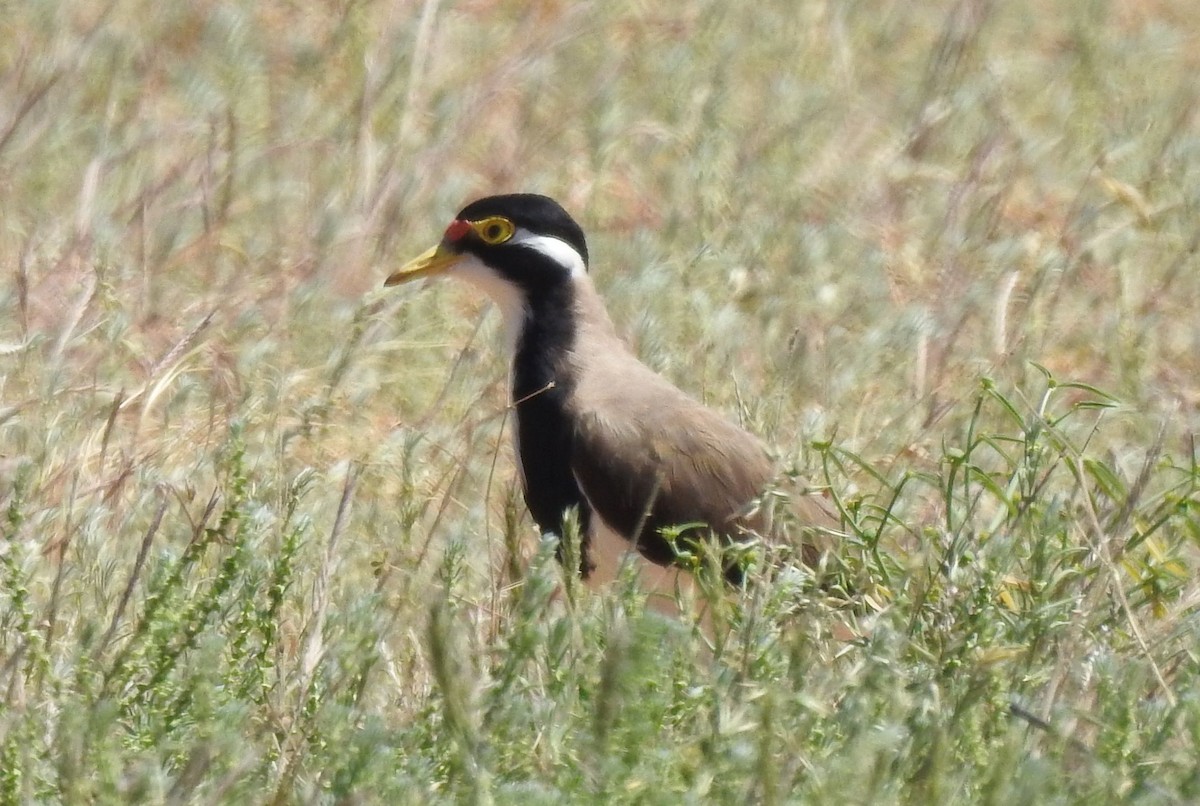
[868,230]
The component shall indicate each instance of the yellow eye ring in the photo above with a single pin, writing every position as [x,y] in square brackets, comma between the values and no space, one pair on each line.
[494,230]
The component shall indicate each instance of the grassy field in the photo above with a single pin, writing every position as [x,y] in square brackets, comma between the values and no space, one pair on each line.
[261,539]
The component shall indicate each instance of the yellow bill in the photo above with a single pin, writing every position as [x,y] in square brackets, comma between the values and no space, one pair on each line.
[428,264]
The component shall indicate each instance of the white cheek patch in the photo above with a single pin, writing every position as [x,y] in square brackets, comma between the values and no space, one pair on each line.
[556,249]
[507,296]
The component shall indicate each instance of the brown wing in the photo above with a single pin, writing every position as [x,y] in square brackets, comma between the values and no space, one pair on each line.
[646,456]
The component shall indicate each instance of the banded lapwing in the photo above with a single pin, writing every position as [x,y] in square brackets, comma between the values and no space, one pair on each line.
[598,432]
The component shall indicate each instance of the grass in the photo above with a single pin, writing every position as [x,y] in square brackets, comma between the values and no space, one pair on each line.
[261,539]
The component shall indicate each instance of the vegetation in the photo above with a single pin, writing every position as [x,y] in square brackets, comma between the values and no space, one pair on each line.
[261,539]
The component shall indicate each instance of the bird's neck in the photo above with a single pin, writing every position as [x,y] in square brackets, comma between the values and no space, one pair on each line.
[544,339]
[558,323]
[555,323]
[542,383]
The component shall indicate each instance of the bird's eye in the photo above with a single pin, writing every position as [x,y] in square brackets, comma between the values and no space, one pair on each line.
[494,230]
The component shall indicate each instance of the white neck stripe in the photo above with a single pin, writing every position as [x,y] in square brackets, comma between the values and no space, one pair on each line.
[556,249]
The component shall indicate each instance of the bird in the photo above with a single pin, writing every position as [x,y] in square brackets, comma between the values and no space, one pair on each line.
[644,467]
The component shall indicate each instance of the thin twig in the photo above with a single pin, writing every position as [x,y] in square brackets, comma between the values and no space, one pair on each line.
[134,575]
[1102,550]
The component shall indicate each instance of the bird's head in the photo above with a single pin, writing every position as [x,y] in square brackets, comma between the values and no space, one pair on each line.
[519,244]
